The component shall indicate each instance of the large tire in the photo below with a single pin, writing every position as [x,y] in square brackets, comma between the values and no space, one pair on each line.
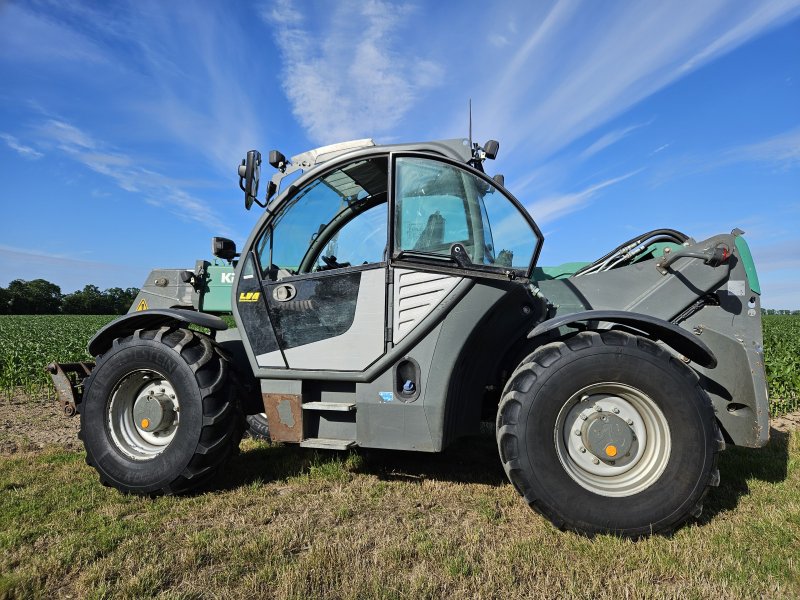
[257,426]
[608,433]
[197,421]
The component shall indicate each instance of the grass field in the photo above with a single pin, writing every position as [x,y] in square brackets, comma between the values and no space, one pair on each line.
[286,522]
[27,343]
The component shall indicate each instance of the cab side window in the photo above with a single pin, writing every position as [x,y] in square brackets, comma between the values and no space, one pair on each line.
[438,205]
[336,221]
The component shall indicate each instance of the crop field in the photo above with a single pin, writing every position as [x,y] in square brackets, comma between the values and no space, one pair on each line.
[27,343]
[782,359]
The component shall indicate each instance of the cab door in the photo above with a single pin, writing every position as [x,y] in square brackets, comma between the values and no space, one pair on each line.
[323,271]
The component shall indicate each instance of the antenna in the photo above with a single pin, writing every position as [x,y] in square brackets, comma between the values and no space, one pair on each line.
[470,124]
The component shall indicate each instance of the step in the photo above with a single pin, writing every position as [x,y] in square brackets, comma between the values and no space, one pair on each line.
[327,444]
[341,406]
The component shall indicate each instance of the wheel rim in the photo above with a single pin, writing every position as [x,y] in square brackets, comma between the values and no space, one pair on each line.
[612,439]
[143,414]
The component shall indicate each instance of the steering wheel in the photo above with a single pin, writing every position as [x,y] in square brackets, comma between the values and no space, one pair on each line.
[330,262]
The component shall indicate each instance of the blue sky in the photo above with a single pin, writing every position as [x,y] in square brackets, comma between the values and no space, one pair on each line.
[121,123]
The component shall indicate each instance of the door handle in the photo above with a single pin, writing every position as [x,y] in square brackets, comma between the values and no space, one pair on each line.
[284,292]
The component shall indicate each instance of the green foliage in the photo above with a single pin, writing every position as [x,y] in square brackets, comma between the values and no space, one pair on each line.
[40,297]
[37,297]
[92,301]
[29,342]
[782,361]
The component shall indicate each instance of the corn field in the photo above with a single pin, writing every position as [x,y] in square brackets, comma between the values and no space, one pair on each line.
[29,342]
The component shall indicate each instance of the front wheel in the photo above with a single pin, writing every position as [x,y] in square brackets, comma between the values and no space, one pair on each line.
[608,433]
[159,414]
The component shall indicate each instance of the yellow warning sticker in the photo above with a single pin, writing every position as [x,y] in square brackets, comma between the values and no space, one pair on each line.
[142,305]
[249,296]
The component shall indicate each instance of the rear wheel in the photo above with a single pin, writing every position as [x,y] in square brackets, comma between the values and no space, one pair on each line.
[608,433]
[159,413]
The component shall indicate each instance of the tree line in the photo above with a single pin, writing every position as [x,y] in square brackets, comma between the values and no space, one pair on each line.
[41,297]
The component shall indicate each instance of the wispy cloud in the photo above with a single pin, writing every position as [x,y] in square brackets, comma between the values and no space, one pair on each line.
[352,79]
[777,256]
[610,138]
[781,150]
[19,147]
[71,272]
[554,207]
[153,187]
[573,73]
[190,74]
[54,43]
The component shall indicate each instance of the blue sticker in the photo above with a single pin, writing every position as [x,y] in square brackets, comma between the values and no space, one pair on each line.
[386,396]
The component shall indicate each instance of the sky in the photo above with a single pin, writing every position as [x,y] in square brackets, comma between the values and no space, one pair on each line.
[122,123]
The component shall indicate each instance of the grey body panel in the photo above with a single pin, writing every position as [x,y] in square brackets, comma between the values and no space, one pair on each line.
[640,287]
[732,330]
[164,288]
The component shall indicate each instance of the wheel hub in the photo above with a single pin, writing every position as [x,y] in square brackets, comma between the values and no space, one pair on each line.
[153,412]
[612,439]
[607,436]
[143,414]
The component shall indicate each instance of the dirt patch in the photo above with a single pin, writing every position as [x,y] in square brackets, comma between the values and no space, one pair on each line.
[786,423]
[32,423]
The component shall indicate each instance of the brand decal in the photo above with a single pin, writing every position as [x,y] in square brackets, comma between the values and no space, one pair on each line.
[249,296]
[226,278]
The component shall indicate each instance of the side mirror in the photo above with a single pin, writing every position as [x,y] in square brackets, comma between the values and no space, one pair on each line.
[223,248]
[249,173]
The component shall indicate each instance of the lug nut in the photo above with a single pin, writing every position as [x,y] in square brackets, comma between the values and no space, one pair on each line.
[583,417]
[582,449]
[596,461]
[612,462]
[629,422]
[615,410]
[577,432]
[598,408]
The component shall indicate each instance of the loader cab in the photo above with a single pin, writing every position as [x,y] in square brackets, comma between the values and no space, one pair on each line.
[318,285]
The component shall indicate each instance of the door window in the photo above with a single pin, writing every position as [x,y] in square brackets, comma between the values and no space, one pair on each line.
[438,205]
[336,221]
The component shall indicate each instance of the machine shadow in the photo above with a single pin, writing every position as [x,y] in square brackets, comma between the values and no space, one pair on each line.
[470,460]
[739,465]
[475,460]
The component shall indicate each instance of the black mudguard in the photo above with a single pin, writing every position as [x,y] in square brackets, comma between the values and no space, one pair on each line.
[148,319]
[673,336]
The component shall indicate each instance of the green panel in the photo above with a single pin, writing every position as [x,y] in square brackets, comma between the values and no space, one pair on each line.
[749,265]
[217,296]
[559,272]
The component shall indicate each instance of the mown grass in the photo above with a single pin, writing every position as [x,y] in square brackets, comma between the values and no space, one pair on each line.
[289,523]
